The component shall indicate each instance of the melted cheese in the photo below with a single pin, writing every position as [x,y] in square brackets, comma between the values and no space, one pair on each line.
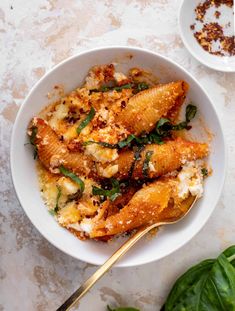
[101,154]
[190,180]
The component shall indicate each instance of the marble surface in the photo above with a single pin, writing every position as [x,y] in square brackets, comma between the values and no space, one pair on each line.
[35,35]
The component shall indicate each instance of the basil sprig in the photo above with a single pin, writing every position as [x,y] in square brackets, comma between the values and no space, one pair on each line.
[210,285]
[86,121]
[204,172]
[72,176]
[32,139]
[137,87]
[141,87]
[164,125]
[137,156]
[56,209]
[145,169]
[163,129]
[151,138]
[112,193]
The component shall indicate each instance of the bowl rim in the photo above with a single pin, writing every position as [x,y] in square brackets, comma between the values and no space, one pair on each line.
[128,49]
[188,47]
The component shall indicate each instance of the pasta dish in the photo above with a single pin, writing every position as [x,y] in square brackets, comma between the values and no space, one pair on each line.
[111,155]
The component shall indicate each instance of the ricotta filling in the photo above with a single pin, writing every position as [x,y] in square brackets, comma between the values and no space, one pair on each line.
[190,180]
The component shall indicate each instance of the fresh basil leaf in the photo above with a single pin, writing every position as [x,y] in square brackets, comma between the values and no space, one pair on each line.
[126,142]
[130,140]
[141,87]
[33,135]
[56,209]
[230,254]
[191,111]
[122,309]
[210,285]
[74,196]
[155,139]
[145,168]
[137,87]
[52,212]
[204,172]
[32,141]
[162,122]
[137,156]
[122,87]
[103,144]
[180,126]
[104,89]
[185,281]
[74,177]
[112,88]
[163,127]
[86,121]
[112,194]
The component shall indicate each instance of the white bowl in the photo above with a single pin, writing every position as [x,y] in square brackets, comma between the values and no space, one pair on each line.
[187,18]
[71,73]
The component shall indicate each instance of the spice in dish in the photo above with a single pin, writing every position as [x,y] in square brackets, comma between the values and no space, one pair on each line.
[109,158]
[212,35]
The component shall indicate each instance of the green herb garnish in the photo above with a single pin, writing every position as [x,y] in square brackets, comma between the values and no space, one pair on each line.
[52,212]
[32,141]
[163,129]
[112,88]
[57,199]
[204,172]
[122,309]
[103,144]
[131,139]
[87,120]
[137,87]
[123,87]
[126,142]
[145,169]
[164,126]
[74,177]
[137,157]
[112,194]
[141,86]
[210,285]
[191,111]
[55,210]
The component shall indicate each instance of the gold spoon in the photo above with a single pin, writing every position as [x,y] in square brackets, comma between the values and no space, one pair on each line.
[186,206]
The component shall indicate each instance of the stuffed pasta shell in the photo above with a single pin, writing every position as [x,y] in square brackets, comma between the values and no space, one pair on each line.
[113,155]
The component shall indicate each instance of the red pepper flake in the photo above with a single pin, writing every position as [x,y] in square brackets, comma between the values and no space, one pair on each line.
[213,32]
[217,14]
[192,26]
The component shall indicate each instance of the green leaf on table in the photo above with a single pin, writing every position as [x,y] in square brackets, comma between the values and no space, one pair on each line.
[208,286]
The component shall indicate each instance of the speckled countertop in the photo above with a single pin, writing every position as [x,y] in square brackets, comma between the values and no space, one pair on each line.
[35,35]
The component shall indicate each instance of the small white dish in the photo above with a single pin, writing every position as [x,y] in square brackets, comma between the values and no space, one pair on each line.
[71,73]
[187,18]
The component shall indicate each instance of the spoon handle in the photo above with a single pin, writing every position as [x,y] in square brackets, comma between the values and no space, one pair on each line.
[83,289]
